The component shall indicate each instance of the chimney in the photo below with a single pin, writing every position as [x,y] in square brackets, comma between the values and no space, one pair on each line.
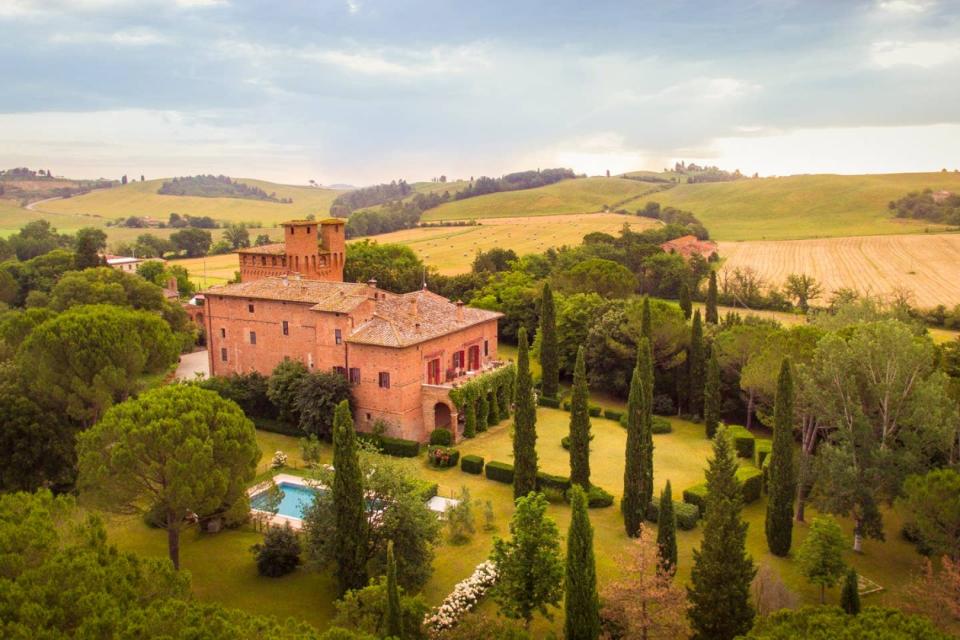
[372,288]
[459,310]
[413,306]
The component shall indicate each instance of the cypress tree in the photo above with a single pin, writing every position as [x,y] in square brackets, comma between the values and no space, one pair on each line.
[695,367]
[686,305]
[581,604]
[646,320]
[666,531]
[394,627]
[782,479]
[719,592]
[645,364]
[493,416]
[469,417]
[524,424]
[350,533]
[711,397]
[580,425]
[630,504]
[483,410]
[850,596]
[549,351]
[713,316]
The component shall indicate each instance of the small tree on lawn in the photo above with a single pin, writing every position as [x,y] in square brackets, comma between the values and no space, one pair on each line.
[850,596]
[460,520]
[279,553]
[667,532]
[722,571]
[549,350]
[529,564]
[580,425]
[581,604]
[711,397]
[712,313]
[127,459]
[782,484]
[350,531]
[821,554]
[525,424]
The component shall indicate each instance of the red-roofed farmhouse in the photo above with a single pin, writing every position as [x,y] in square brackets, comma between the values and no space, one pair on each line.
[686,246]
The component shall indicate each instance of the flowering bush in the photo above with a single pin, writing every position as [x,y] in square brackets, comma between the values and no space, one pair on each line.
[279,460]
[443,456]
[464,597]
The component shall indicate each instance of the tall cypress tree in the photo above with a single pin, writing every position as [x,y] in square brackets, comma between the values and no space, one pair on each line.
[646,320]
[719,592]
[549,351]
[394,626]
[580,425]
[493,415]
[782,478]
[350,533]
[850,596]
[483,411]
[667,531]
[581,604]
[524,424]
[695,367]
[713,315]
[686,304]
[711,397]
[630,504]
[645,364]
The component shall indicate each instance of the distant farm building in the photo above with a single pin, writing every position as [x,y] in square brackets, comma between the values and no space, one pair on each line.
[686,246]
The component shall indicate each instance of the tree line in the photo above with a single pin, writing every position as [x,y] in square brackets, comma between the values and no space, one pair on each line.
[210,186]
[346,203]
[940,207]
[513,182]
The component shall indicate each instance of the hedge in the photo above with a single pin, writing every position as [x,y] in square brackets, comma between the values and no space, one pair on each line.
[761,450]
[427,489]
[399,447]
[565,405]
[697,496]
[472,464]
[442,437]
[660,425]
[278,426]
[595,410]
[597,498]
[752,480]
[549,481]
[499,471]
[743,441]
[765,471]
[443,457]
[612,414]
[565,442]
[687,514]
[547,401]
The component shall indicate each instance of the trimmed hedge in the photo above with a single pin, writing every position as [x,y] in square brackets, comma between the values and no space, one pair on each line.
[595,410]
[598,498]
[765,471]
[547,401]
[743,441]
[687,514]
[761,450]
[399,447]
[612,414]
[549,481]
[443,457]
[442,437]
[499,472]
[752,480]
[697,495]
[277,426]
[427,490]
[660,425]
[472,464]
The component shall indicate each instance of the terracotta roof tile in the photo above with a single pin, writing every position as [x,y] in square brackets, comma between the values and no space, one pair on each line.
[275,249]
[325,296]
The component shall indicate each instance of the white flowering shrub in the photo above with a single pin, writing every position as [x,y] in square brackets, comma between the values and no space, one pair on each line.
[464,597]
[279,460]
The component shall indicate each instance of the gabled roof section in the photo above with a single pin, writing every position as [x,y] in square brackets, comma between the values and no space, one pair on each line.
[338,297]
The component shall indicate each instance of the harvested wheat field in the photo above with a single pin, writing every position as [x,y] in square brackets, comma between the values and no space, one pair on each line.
[927,265]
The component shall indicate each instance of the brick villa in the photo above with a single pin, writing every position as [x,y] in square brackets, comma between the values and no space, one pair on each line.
[403,353]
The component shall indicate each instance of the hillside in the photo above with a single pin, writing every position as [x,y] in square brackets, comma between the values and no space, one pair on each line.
[798,207]
[582,195]
[142,199]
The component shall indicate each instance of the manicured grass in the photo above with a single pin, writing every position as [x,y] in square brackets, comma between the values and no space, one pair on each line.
[223,569]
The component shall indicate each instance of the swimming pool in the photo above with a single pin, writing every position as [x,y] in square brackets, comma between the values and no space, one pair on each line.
[296,500]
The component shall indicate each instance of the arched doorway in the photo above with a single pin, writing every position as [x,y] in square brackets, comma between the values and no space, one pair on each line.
[441,416]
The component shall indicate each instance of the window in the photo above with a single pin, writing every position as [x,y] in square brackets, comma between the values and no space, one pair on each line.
[223,354]
[486,348]
[286,328]
[354,375]
[338,336]
[250,308]
[456,359]
[341,371]
[384,379]
[433,371]
[223,332]
[253,337]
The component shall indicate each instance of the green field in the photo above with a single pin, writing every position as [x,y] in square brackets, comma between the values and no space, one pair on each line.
[583,195]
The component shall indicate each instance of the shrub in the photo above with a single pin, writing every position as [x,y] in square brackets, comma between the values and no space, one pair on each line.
[399,447]
[460,521]
[549,481]
[597,498]
[743,440]
[595,410]
[472,464]
[442,437]
[612,414]
[663,405]
[155,517]
[565,441]
[311,450]
[761,450]
[279,553]
[660,425]
[545,401]
[427,490]
[443,456]
[277,426]
[752,480]
[499,472]
[623,421]
[687,514]
[697,495]
[279,460]
[565,405]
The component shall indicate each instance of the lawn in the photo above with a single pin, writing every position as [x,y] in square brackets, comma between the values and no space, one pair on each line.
[223,570]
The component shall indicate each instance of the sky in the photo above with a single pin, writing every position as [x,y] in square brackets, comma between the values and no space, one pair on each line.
[364,91]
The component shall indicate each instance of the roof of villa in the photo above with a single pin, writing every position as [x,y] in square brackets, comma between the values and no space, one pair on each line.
[274,248]
[338,297]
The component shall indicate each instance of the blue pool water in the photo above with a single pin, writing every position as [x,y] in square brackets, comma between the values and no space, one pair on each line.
[296,500]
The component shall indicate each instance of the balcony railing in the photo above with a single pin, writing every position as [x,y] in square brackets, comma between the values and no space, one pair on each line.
[456,377]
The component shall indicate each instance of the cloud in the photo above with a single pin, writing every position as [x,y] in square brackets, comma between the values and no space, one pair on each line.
[353,6]
[137,37]
[924,54]
[904,6]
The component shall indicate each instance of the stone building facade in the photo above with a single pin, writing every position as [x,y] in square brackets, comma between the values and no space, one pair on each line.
[401,352]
